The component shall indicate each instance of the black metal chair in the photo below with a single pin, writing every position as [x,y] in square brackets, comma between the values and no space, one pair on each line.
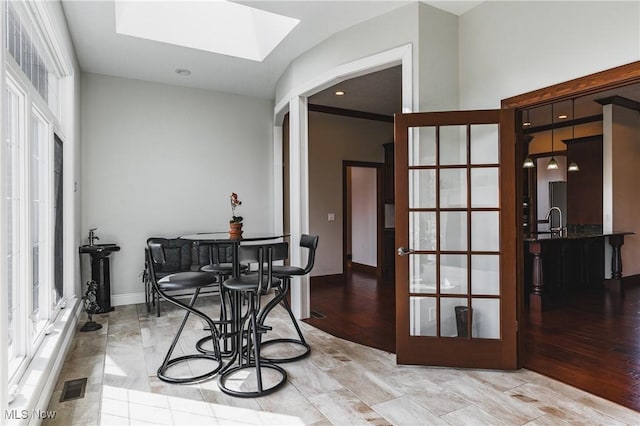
[192,281]
[285,273]
[180,256]
[248,331]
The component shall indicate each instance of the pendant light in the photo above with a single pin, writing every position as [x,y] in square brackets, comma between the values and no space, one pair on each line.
[573,166]
[528,161]
[553,164]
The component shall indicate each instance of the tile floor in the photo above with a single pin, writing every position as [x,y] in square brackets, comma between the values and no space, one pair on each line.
[341,383]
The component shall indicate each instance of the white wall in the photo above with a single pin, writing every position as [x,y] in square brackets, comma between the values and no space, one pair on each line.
[364,216]
[332,139]
[394,29]
[161,160]
[432,32]
[437,61]
[509,48]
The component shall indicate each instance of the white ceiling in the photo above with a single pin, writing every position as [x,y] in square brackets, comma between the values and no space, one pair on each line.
[379,93]
[100,50]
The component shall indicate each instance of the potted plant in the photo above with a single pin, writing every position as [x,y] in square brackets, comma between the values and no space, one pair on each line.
[235,223]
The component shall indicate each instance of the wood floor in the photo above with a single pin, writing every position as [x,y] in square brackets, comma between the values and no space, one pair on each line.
[355,308]
[592,344]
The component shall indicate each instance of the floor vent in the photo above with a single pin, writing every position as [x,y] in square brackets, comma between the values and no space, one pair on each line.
[73,389]
[317,315]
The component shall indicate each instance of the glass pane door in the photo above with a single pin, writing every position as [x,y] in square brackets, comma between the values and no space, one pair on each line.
[452,182]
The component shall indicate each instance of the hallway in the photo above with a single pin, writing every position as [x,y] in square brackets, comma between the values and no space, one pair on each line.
[356,308]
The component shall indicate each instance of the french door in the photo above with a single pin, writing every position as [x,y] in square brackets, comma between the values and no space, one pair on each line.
[456,239]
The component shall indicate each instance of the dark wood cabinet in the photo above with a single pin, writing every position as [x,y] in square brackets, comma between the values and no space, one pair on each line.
[388,187]
[570,266]
[584,187]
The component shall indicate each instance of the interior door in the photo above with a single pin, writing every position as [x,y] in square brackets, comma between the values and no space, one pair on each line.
[456,239]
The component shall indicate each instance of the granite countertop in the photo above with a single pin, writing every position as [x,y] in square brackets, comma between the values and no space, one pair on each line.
[571,235]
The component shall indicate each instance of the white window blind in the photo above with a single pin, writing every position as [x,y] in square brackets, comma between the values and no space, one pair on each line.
[24,44]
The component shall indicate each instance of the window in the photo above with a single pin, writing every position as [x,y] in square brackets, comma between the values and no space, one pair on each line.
[30,100]
[25,46]
[41,214]
[12,172]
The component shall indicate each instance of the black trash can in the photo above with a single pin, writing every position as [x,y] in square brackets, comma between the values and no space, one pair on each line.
[462,320]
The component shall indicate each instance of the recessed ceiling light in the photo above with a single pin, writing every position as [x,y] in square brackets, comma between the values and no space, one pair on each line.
[526,124]
[183,71]
[562,116]
[339,93]
[223,27]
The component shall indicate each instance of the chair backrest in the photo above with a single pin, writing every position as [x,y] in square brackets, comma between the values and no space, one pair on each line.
[183,255]
[177,254]
[264,255]
[156,250]
[310,242]
[155,257]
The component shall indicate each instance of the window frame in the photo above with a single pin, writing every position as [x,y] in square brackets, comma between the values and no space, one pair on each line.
[31,337]
[45,297]
[17,362]
[25,387]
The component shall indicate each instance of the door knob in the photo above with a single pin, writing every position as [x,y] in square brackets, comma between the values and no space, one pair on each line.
[403,251]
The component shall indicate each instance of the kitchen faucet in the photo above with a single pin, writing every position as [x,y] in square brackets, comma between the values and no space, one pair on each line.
[559,228]
[92,237]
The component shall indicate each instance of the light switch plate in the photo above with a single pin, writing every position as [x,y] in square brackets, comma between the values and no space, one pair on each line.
[331,217]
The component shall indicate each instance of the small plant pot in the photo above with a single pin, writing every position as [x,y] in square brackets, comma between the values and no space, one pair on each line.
[235,230]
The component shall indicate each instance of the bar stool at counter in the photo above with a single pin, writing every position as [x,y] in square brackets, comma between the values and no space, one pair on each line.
[191,281]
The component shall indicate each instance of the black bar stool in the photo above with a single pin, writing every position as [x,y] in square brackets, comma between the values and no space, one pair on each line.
[249,288]
[285,273]
[191,281]
[220,264]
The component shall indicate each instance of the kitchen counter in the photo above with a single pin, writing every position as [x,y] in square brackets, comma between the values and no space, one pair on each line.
[573,262]
[553,236]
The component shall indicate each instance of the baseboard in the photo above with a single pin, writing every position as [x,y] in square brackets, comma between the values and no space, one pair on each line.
[127,299]
[325,278]
[365,269]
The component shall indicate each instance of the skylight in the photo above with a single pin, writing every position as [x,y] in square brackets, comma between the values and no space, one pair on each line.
[216,26]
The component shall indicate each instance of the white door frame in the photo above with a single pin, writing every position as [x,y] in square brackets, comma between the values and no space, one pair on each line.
[296,104]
